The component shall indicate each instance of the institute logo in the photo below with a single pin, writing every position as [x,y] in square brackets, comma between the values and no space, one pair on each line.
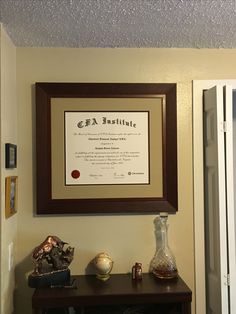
[135,173]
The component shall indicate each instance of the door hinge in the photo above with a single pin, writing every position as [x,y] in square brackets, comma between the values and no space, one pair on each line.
[224,126]
[227,281]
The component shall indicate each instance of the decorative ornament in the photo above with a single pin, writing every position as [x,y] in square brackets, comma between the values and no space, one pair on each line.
[137,271]
[103,265]
[51,260]
[163,264]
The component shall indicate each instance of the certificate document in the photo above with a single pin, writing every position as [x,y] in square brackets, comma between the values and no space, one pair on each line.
[106,147]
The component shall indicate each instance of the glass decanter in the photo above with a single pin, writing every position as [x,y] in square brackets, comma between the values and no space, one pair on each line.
[163,264]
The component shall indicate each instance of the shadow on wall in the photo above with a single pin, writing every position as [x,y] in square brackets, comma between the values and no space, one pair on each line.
[90,269]
[22,293]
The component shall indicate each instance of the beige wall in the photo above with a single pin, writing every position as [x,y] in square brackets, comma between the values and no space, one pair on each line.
[8,134]
[126,238]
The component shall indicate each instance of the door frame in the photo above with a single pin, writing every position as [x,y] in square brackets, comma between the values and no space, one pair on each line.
[198,188]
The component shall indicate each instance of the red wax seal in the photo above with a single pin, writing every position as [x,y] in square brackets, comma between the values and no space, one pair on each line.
[75,174]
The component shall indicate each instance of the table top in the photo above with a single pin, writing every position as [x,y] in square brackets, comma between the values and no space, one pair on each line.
[118,289]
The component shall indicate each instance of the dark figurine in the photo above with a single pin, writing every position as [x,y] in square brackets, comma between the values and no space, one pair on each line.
[51,261]
[50,254]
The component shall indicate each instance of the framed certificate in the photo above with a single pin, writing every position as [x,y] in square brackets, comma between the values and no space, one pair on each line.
[106,148]
[113,145]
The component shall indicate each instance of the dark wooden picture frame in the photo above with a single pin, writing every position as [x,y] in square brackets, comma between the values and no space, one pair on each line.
[10,155]
[46,204]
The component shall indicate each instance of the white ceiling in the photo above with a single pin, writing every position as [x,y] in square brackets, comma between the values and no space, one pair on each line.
[120,23]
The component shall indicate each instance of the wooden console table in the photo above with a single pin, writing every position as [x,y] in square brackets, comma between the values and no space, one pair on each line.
[117,290]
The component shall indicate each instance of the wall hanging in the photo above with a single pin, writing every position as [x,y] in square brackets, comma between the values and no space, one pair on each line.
[106,148]
[10,155]
[11,196]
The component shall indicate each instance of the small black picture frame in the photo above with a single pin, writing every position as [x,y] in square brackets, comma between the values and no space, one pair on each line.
[11,155]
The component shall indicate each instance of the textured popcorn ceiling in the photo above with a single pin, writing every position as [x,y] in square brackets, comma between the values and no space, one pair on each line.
[120,23]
